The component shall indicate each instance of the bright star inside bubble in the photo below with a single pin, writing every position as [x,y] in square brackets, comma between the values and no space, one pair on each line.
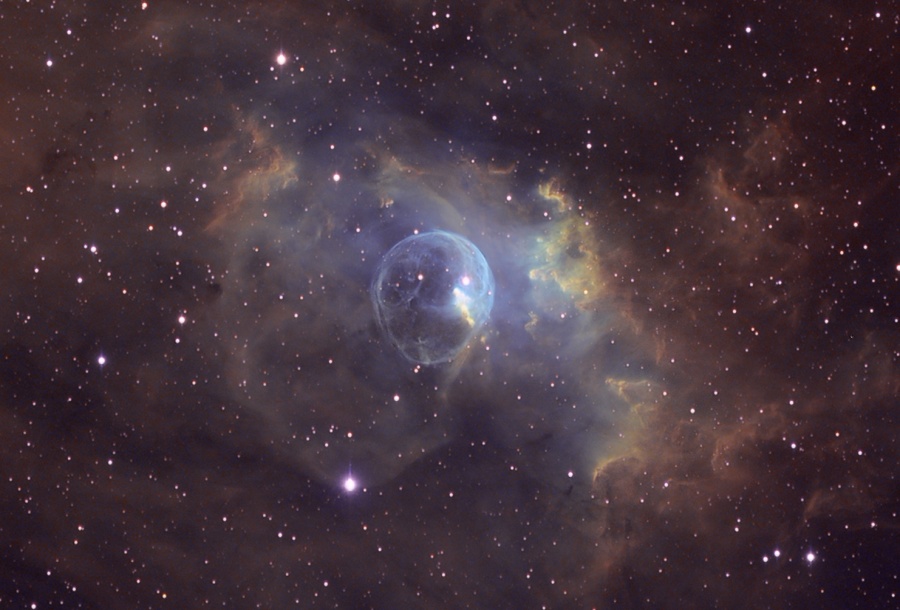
[281,59]
[350,484]
[810,557]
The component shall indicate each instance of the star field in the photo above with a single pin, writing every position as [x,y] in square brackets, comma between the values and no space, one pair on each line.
[684,396]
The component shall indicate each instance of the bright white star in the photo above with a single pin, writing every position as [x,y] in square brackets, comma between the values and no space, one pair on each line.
[350,484]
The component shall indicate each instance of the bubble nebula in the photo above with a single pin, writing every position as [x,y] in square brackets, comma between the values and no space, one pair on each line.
[432,293]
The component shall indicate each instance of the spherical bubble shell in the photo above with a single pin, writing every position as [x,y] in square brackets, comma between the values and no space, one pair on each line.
[432,293]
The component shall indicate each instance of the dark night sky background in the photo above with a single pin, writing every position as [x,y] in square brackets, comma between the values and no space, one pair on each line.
[686,395]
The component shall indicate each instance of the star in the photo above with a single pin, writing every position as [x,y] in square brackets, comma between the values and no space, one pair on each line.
[350,484]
